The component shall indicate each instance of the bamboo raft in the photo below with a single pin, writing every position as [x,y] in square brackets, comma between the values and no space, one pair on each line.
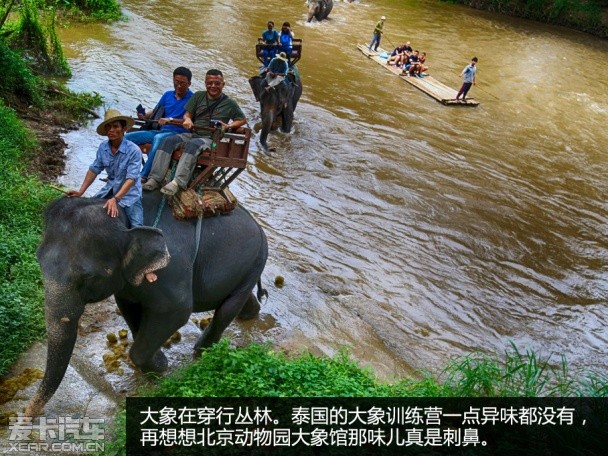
[428,84]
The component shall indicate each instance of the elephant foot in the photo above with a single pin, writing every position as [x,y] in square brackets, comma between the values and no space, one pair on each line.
[250,310]
[157,364]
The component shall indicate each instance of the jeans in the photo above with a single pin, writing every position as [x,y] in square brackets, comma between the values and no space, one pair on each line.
[376,41]
[135,214]
[154,137]
[268,53]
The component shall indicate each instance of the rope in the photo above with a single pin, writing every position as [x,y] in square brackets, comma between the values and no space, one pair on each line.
[163,202]
[161,206]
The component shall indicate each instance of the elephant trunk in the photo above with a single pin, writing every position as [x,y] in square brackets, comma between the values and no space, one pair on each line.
[313,9]
[268,117]
[62,317]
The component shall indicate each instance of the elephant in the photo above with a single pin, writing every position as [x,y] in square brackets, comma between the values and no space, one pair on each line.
[202,264]
[277,104]
[319,9]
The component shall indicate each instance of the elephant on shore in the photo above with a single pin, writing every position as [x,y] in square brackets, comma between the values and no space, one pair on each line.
[319,9]
[276,105]
[86,256]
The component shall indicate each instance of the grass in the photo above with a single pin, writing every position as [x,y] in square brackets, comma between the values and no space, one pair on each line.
[22,200]
[258,370]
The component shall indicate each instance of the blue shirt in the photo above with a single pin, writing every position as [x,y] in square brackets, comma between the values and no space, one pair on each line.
[174,108]
[270,37]
[123,165]
[285,40]
[469,73]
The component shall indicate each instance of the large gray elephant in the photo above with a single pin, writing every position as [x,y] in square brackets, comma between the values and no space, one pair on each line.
[86,256]
[276,105]
[319,9]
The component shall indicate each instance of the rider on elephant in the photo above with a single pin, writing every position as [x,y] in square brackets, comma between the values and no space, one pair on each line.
[270,37]
[173,106]
[121,159]
[204,109]
[276,71]
[286,40]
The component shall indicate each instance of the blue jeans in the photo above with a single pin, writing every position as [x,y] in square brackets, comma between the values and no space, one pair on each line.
[135,214]
[376,41]
[268,53]
[154,137]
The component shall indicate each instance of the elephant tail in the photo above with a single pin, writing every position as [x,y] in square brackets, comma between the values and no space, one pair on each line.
[261,291]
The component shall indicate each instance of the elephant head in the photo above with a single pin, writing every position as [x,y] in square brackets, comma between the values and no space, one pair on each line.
[319,9]
[276,105]
[86,256]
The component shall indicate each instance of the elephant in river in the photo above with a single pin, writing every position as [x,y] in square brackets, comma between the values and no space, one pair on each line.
[319,9]
[277,104]
[86,256]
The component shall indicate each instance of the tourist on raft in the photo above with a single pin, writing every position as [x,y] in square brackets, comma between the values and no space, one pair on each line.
[469,79]
[377,36]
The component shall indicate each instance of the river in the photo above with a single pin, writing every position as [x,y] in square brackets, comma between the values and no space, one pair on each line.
[409,231]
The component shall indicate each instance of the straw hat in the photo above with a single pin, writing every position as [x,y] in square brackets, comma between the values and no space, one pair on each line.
[383,18]
[282,56]
[112,115]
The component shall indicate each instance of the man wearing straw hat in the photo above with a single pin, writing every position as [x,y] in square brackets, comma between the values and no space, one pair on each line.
[277,70]
[378,31]
[121,159]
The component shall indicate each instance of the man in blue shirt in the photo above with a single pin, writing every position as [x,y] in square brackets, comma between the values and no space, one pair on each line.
[121,159]
[277,70]
[469,79]
[173,104]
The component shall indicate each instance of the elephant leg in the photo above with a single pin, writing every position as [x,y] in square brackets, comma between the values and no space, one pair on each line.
[222,317]
[131,312]
[251,309]
[154,330]
[287,119]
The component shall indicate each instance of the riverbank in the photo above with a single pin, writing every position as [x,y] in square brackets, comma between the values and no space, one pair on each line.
[583,15]
[47,127]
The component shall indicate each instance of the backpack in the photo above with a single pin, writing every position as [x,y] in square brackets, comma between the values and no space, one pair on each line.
[156,114]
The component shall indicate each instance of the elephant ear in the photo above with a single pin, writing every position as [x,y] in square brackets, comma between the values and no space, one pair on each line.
[146,252]
[256,83]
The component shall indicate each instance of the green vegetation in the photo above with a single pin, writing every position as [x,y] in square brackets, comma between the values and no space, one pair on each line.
[30,51]
[21,202]
[38,43]
[85,10]
[584,15]
[259,371]
[18,82]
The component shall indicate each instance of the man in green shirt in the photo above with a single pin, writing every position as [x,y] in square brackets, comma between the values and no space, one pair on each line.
[377,35]
[204,109]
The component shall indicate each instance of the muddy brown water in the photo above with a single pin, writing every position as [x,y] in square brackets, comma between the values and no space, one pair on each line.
[409,231]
